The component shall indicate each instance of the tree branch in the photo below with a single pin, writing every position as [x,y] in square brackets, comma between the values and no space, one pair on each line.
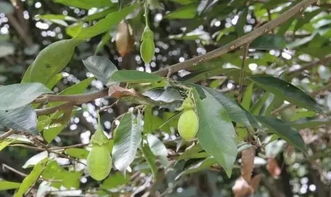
[189,64]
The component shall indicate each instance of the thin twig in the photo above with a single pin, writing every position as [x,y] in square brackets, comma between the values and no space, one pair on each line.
[7,134]
[5,166]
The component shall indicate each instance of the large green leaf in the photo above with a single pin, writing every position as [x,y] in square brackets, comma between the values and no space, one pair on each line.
[105,24]
[18,95]
[216,133]
[284,130]
[235,111]
[286,91]
[6,185]
[127,140]
[50,61]
[134,76]
[85,4]
[31,179]
[19,119]
[101,67]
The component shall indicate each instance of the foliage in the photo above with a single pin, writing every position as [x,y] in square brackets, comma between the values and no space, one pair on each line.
[165,98]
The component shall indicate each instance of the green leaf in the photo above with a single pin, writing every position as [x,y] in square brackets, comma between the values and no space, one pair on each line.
[165,95]
[186,12]
[286,91]
[158,149]
[77,88]
[200,166]
[31,179]
[235,111]
[127,140]
[78,153]
[6,185]
[51,131]
[85,4]
[4,143]
[268,42]
[310,123]
[17,95]
[284,130]
[147,46]
[134,76]
[114,181]
[19,119]
[60,176]
[216,133]
[101,67]
[150,158]
[99,138]
[50,61]
[247,98]
[105,24]
[163,121]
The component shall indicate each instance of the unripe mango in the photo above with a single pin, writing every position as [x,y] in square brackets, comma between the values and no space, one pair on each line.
[99,162]
[188,124]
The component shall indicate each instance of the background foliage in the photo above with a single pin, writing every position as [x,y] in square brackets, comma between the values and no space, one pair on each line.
[263,97]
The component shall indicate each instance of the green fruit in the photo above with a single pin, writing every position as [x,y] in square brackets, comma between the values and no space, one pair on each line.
[99,162]
[188,124]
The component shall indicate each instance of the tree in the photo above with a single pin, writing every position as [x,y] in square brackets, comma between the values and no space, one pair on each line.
[165,98]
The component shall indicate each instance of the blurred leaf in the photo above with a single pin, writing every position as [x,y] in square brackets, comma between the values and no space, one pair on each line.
[101,67]
[127,139]
[51,131]
[50,61]
[186,12]
[114,181]
[166,95]
[17,95]
[6,7]
[85,4]
[6,185]
[200,166]
[35,159]
[4,143]
[106,23]
[286,91]
[247,97]
[150,158]
[6,48]
[310,123]
[19,119]
[284,130]
[268,42]
[161,121]
[78,153]
[158,149]
[77,88]
[54,80]
[134,76]
[31,179]
[216,133]
[60,176]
